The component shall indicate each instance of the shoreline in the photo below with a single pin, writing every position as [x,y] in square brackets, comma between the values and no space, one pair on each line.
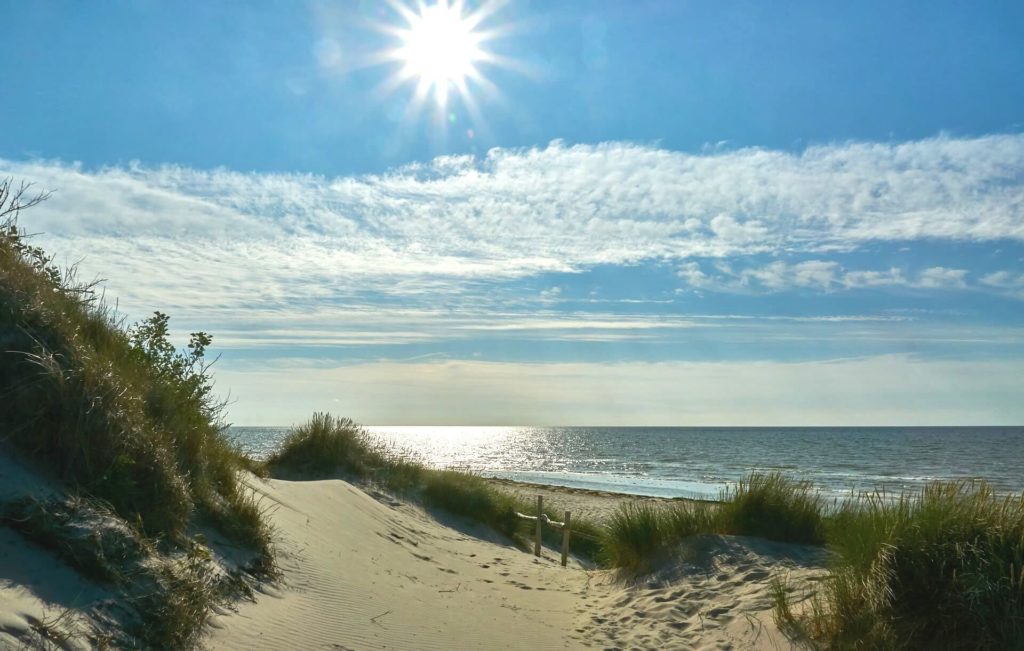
[588,503]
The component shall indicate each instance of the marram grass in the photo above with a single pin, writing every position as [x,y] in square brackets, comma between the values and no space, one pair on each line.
[943,569]
[121,419]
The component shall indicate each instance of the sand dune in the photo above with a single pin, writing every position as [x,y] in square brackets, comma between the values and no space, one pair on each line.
[714,596]
[35,587]
[364,571]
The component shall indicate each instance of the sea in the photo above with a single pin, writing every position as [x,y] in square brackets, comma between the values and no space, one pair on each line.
[701,462]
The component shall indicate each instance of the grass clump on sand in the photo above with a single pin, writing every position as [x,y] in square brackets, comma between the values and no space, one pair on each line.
[639,535]
[939,570]
[114,414]
[327,446]
[768,506]
[772,506]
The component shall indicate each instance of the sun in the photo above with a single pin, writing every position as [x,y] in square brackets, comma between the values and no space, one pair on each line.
[440,48]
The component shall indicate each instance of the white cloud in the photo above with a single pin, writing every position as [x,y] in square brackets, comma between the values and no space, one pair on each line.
[824,275]
[859,279]
[691,273]
[522,211]
[1007,282]
[818,274]
[942,278]
[1004,280]
[244,247]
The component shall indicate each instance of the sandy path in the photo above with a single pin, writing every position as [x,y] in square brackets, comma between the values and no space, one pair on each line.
[367,572]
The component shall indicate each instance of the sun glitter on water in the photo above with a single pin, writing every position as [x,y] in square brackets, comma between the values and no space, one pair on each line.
[440,48]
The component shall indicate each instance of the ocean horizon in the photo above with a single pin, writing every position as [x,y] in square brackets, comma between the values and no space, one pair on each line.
[701,462]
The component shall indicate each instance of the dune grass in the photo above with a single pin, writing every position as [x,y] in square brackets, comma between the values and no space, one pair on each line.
[639,535]
[118,416]
[117,412]
[772,506]
[942,570]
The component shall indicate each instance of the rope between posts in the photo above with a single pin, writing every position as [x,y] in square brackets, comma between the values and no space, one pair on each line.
[558,525]
[541,519]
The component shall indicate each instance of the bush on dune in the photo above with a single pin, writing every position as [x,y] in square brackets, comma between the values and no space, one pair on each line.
[117,415]
[771,506]
[118,412]
[324,446]
[942,570]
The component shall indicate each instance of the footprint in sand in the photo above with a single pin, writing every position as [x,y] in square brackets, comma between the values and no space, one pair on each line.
[715,613]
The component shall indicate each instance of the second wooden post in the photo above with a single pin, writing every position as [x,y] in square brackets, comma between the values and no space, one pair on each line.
[566,532]
[540,513]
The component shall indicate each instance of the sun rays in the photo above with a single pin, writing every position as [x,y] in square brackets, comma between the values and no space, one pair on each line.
[441,52]
[440,49]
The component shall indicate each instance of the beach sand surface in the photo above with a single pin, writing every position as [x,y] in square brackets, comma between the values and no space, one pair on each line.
[362,570]
[593,505]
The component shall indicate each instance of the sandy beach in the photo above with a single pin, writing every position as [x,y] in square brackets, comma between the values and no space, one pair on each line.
[581,502]
[362,570]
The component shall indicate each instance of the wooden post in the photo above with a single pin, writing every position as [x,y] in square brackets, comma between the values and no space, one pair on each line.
[540,512]
[565,539]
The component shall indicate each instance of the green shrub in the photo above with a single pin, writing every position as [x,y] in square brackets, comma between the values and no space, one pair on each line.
[640,534]
[944,570]
[472,497]
[325,446]
[637,535]
[774,507]
[116,413]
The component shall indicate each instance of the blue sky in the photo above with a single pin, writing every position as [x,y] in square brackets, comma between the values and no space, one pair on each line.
[640,213]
